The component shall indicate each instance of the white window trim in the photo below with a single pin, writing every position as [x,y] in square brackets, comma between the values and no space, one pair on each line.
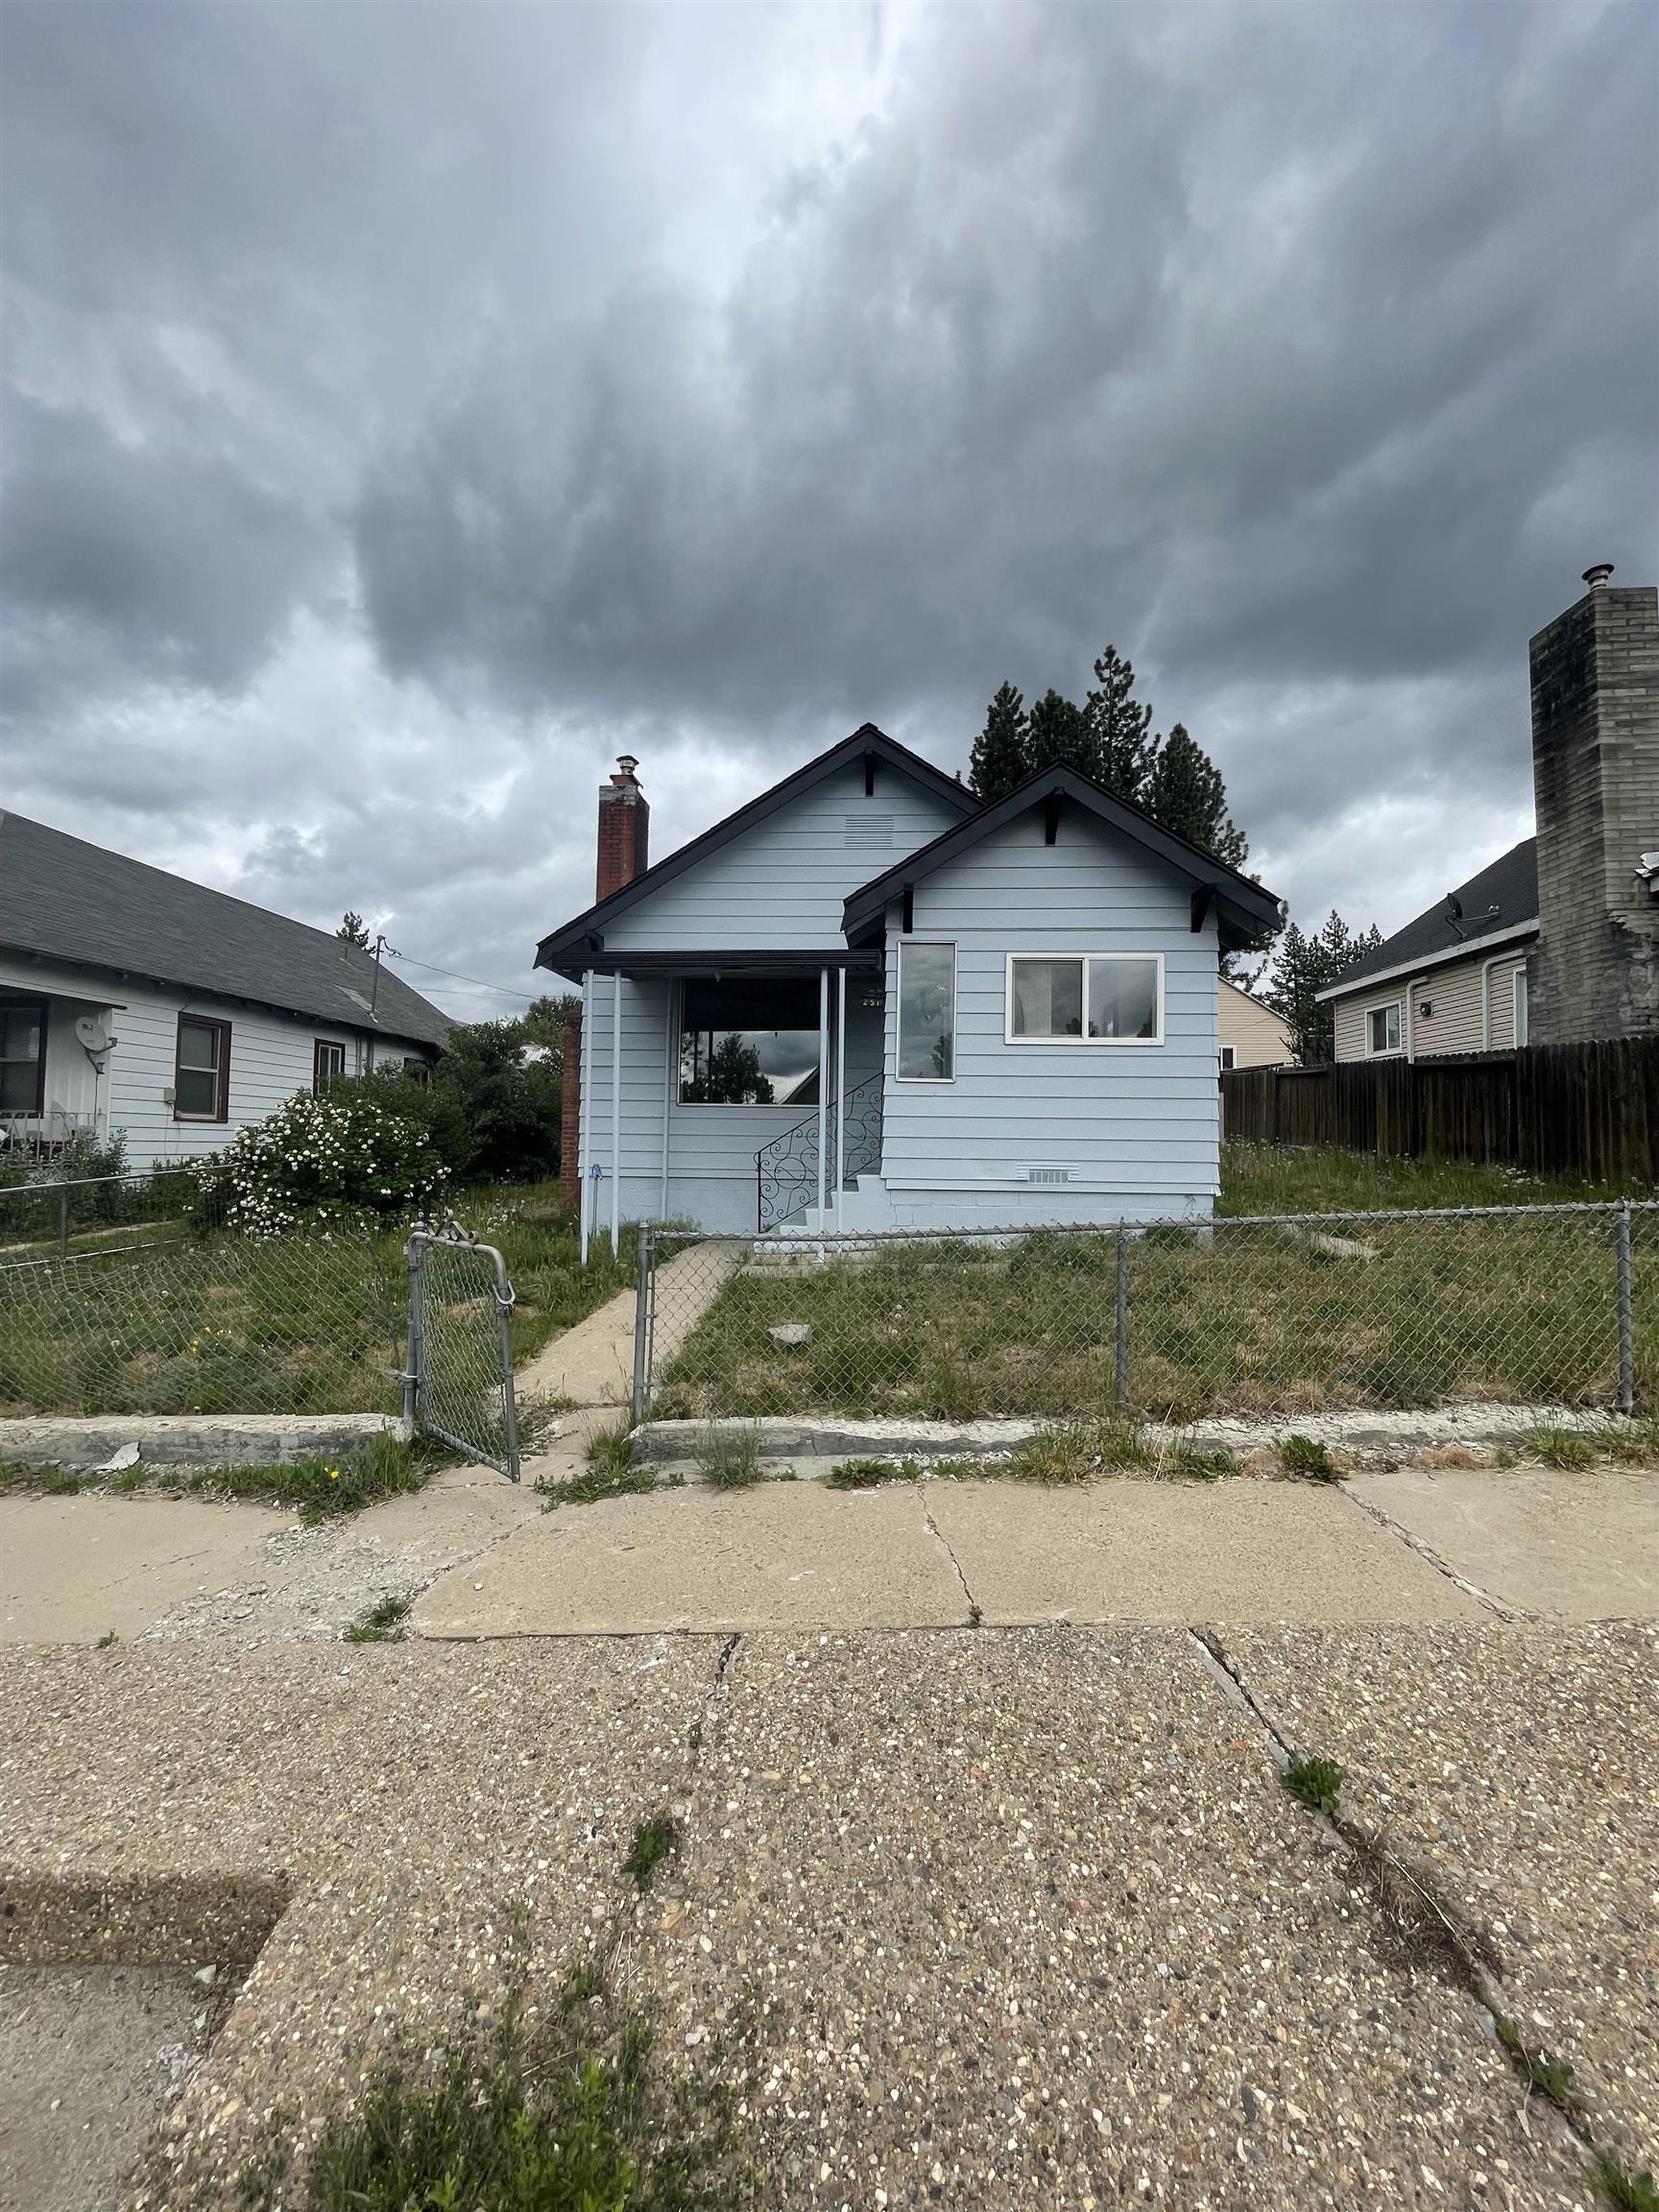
[1385,1051]
[936,944]
[1068,1043]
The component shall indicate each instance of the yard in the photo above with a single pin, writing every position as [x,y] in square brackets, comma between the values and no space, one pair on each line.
[1242,1318]
[152,1318]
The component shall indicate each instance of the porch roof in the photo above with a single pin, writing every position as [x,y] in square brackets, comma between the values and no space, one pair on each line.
[806,962]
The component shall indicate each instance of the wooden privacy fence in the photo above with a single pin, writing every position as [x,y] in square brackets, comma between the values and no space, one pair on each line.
[1589,1110]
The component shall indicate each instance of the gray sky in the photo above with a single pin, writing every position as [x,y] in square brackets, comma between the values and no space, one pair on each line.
[407,409]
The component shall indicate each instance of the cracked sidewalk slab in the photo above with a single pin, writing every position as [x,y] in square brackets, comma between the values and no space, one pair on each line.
[1031,1921]
[1517,1763]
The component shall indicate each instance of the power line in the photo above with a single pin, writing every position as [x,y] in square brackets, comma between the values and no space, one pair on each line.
[409,960]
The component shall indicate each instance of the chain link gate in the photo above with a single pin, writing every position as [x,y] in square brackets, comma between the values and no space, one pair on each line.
[459,1380]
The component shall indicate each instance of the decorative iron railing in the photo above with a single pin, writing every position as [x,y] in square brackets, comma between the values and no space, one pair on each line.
[787,1170]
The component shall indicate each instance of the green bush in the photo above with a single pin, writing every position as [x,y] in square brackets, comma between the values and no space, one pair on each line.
[491,1108]
[328,1163]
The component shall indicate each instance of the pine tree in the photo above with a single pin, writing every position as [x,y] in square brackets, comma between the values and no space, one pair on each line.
[1121,728]
[1304,965]
[1185,792]
[1000,758]
[1059,731]
[354,930]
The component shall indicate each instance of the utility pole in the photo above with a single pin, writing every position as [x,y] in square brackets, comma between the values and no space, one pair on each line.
[380,945]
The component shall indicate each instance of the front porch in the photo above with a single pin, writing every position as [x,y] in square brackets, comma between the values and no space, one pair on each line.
[742,1093]
[54,1059]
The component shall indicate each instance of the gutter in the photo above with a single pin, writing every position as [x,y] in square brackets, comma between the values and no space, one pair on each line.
[1462,951]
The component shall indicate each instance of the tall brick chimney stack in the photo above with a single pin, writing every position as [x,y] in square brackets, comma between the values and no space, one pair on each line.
[624,829]
[1595,972]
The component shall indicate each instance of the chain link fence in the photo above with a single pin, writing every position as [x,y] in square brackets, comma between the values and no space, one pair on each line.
[459,1383]
[1533,1305]
[123,1294]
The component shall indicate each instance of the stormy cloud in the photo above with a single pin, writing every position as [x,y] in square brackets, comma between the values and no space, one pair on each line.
[407,410]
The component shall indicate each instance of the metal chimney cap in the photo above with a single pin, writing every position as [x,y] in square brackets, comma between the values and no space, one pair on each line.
[628,761]
[1596,577]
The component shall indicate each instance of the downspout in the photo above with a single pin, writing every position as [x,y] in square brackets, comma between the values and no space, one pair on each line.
[840,1088]
[669,1058]
[585,1111]
[1416,984]
[823,1085]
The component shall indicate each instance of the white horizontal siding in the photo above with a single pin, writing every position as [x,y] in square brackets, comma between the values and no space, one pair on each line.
[270,1056]
[1465,1015]
[779,886]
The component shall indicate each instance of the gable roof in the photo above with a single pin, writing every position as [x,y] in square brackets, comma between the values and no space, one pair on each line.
[566,943]
[1500,901]
[1243,909]
[64,900]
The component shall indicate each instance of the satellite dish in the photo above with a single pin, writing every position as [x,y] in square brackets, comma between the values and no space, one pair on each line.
[93,1032]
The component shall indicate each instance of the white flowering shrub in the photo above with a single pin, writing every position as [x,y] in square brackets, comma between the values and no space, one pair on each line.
[324,1163]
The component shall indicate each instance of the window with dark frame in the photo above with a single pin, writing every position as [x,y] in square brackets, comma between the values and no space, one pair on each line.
[749,1041]
[22,1056]
[327,1064]
[202,1069]
[1227,1055]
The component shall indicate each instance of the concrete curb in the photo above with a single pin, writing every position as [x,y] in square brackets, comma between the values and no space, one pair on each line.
[1364,1430]
[191,1439]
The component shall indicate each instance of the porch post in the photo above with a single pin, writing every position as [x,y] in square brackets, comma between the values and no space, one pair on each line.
[840,1088]
[616,1114]
[585,1111]
[822,1085]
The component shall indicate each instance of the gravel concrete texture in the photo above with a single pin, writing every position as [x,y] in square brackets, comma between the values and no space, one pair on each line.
[1585,1546]
[1183,1552]
[782,1554]
[1520,1762]
[189,1439]
[415,1803]
[592,1362]
[91,2057]
[72,1569]
[1033,1923]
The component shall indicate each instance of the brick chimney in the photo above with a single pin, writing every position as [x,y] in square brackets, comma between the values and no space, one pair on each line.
[1595,972]
[624,829]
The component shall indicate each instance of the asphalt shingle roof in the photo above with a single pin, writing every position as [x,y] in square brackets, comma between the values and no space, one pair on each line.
[1502,897]
[65,900]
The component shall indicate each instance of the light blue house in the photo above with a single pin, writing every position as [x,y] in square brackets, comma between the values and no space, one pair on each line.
[866,1002]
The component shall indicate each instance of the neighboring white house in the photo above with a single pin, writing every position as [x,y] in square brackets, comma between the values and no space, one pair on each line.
[1022,997]
[134,1001]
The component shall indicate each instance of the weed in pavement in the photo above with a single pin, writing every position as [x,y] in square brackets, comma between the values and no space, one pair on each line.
[1189,1463]
[1637,1446]
[1560,1448]
[729,1459]
[1624,2191]
[598,1484]
[1074,1451]
[382,1623]
[611,1450]
[1315,1783]
[1548,2077]
[572,2110]
[654,1840]
[105,1641]
[1307,1458]
[871,1474]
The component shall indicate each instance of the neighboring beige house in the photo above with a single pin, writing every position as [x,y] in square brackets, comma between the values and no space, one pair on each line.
[1558,940]
[1453,981]
[1251,1034]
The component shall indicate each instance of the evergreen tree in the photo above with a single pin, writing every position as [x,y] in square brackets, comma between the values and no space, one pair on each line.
[354,930]
[1059,731]
[1305,964]
[1001,754]
[1121,728]
[1185,792]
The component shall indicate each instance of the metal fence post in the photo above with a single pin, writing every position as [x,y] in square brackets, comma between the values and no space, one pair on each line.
[504,1303]
[1626,1310]
[62,1220]
[1121,1382]
[414,1376]
[642,1321]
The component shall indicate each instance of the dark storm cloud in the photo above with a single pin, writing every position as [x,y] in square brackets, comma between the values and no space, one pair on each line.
[407,408]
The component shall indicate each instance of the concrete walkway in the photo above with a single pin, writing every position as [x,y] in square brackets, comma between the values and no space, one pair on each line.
[592,1362]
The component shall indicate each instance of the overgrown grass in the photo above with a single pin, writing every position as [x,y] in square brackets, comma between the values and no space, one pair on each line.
[383,1624]
[1330,1179]
[1307,1458]
[872,1473]
[729,1459]
[654,1840]
[574,2108]
[1236,1319]
[317,1488]
[1560,1448]
[158,1318]
[1624,2191]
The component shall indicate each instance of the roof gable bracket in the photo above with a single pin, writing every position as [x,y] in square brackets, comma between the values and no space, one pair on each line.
[1051,818]
[869,772]
[1203,899]
[908,922]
